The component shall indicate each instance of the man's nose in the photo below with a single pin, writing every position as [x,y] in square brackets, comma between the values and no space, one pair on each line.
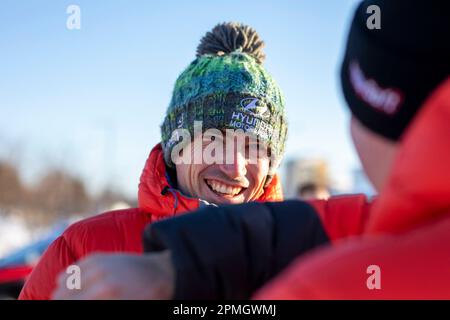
[237,168]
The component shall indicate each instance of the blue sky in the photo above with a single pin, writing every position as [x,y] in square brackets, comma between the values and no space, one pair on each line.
[92,100]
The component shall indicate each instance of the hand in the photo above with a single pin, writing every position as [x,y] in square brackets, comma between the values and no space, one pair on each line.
[121,276]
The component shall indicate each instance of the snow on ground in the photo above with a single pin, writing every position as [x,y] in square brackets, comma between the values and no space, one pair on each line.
[13,234]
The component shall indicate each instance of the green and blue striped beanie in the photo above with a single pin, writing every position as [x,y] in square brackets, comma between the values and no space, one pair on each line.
[227,87]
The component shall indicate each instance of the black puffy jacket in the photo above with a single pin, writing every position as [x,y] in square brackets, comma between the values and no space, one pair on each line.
[229,252]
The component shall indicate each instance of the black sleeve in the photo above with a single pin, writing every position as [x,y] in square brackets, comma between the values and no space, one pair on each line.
[229,252]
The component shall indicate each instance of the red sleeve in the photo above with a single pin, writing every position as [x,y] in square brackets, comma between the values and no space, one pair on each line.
[343,216]
[413,265]
[42,280]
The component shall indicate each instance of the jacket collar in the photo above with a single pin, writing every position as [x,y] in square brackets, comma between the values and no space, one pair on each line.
[418,190]
[158,197]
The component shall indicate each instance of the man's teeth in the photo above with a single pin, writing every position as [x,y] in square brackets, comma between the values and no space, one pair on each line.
[223,188]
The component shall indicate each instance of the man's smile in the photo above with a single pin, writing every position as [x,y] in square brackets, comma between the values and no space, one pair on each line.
[223,189]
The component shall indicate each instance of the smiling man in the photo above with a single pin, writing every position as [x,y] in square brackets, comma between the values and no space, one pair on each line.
[240,109]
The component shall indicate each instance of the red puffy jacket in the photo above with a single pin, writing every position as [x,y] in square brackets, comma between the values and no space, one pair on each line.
[118,231]
[407,236]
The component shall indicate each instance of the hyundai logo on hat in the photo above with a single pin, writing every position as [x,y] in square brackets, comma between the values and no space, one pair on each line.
[254,107]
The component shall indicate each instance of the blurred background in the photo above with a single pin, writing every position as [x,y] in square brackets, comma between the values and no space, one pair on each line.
[80,109]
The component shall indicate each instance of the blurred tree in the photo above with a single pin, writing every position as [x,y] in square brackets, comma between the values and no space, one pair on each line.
[12,191]
[110,197]
[60,193]
[57,194]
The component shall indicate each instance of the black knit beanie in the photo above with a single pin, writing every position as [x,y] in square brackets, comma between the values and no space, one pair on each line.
[387,73]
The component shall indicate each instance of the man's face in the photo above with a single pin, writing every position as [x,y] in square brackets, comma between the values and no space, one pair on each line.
[238,178]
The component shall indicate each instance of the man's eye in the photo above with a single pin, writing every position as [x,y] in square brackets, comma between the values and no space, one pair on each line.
[208,139]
